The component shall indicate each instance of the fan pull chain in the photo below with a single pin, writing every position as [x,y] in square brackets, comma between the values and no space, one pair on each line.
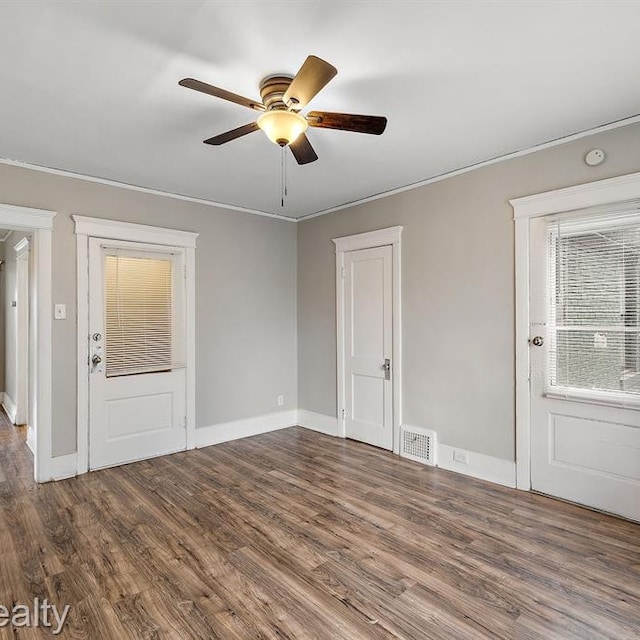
[284,187]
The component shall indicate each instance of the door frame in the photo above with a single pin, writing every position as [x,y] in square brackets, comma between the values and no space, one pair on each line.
[39,222]
[23,332]
[85,228]
[583,196]
[382,237]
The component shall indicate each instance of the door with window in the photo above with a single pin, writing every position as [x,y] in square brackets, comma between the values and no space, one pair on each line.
[368,343]
[137,381]
[585,358]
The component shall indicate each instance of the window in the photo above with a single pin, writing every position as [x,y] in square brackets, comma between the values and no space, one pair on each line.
[593,310]
[144,311]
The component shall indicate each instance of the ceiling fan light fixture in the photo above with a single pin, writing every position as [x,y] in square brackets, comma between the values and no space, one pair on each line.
[282,127]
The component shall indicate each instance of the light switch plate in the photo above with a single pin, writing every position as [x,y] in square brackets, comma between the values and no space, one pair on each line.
[60,312]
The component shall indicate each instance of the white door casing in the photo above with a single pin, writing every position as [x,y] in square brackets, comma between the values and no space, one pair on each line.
[368,346]
[553,443]
[159,238]
[368,332]
[40,223]
[131,417]
[22,332]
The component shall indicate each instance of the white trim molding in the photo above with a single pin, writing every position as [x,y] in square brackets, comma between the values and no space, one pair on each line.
[9,407]
[382,237]
[227,431]
[319,422]
[63,467]
[40,223]
[22,247]
[133,232]
[612,191]
[25,218]
[85,228]
[479,465]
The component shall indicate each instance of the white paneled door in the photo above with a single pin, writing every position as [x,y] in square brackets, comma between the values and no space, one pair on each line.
[137,382]
[368,340]
[585,360]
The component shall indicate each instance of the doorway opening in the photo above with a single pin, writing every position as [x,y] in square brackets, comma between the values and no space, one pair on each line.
[25,335]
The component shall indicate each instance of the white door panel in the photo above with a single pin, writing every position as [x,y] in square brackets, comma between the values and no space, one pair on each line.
[139,415]
[368,343]
[585,443]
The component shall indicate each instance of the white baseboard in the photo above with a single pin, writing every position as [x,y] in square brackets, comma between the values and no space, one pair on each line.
[31,439]
[61,467]
[9,406]
[226,431]
[318,422]
[479,466]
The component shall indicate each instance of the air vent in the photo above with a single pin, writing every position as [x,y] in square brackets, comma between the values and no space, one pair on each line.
[418,444]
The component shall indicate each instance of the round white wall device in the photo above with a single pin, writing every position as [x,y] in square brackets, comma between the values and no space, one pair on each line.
[594,157]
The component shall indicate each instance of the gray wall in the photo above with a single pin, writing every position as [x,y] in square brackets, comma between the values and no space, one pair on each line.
[457,289]
[245,295]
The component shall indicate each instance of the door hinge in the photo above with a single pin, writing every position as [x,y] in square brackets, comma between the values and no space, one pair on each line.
[184,270]
[343,272]
[185,421]
[344,413]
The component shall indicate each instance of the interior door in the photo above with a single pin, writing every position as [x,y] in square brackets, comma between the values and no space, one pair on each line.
[585,357]
[368,338]
[137,381]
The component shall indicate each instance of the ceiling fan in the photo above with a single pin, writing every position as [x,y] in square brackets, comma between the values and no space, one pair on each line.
[283,97]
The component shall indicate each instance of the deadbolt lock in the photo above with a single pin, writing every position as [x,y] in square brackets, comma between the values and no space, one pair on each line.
[537,341]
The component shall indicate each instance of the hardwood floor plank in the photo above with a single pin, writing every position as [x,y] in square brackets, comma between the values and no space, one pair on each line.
[297,535]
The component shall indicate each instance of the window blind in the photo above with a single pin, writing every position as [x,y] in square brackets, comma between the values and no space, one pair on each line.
[144,312]
[593,313]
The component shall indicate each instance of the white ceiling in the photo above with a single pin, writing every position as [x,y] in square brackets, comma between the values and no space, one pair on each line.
[92,87]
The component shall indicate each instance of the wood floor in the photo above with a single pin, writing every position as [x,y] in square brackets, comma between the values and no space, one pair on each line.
[294,534]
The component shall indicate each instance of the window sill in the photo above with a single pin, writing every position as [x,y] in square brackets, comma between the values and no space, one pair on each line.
[604,398]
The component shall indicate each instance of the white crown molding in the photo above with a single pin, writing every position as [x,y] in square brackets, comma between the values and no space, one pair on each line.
[478,165]
[133,187]
[591,194]
[25,217]
[130,231]
[345,205]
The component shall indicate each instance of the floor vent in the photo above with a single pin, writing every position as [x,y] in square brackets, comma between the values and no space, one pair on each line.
[418,444]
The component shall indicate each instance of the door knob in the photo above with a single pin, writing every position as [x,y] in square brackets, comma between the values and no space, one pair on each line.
[96,359]
[538,341]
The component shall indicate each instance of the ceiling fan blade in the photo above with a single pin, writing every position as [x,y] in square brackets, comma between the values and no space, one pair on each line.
[209,89]
[228,136]
[302,150]
[347,122]
[314,74]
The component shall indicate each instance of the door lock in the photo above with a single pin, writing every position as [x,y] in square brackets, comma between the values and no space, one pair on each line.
[537,341]
[96,360]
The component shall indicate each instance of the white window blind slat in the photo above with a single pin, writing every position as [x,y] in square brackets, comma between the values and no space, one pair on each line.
[144,312]
[593,312]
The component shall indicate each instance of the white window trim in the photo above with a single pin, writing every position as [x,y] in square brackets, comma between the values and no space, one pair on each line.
[382,237]
[86,227]
[592,194]
[40,223]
